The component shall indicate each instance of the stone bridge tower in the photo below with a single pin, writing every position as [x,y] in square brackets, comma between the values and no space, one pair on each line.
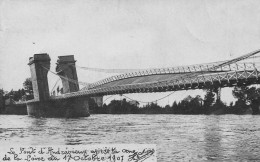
[45,106]
[39,66]
[66,68]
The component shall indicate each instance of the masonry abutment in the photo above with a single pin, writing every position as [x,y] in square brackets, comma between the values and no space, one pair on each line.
[43,105]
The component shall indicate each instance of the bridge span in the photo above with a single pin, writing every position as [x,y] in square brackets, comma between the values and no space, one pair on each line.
[243,70]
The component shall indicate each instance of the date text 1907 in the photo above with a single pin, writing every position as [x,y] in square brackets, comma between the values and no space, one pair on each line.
[94,157]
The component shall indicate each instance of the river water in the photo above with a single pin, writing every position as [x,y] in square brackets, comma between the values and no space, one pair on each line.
[177,137]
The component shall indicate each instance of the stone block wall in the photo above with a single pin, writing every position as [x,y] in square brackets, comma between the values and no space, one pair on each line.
[16,109]
[72,107]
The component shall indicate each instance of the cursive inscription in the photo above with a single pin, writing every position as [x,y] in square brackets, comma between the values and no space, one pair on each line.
[137,156]
[99,153]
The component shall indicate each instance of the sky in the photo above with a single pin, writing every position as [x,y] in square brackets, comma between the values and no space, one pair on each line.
[124,34]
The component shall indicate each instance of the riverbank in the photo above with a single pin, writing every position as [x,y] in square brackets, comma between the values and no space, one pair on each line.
[185,107]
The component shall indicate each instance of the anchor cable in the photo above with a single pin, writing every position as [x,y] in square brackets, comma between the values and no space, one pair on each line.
[55,84]
[70,80]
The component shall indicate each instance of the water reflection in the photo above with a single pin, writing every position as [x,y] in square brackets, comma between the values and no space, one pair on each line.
[236,139]
[212,138]
[71,131]
[246,139]
[37,124]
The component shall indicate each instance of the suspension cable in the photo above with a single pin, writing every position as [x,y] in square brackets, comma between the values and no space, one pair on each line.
[251,56]
[55,84]
[108,98]
[150,101]
[243,57]
[185,75]
[68,79]
[109,70]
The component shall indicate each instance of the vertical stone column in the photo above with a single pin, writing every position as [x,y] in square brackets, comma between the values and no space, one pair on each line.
[39,66]
[66,68]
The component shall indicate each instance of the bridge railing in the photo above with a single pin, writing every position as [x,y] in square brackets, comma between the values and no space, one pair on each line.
[180,83]
[200,68]
[228,65]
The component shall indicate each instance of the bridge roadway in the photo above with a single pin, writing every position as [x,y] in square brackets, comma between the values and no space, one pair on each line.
[222,74]
[169,82]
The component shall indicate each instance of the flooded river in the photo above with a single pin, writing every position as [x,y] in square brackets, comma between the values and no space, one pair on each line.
[177,137]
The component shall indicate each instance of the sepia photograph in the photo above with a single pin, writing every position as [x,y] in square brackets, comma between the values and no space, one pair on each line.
[129,80]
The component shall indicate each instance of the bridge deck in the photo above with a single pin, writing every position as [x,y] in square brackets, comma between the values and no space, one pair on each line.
[145,79]
[228,73]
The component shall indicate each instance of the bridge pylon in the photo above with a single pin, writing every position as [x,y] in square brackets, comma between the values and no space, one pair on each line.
[45,106]
[39,77]
[66,68]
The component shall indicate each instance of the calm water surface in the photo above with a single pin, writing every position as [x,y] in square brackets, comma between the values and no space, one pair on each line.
[178,137]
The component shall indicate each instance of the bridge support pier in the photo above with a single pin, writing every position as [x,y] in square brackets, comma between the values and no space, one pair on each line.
[42,105]
[66,67]
[69,108]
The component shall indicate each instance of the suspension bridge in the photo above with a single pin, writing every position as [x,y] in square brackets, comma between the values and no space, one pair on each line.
[243,70]
[239,71]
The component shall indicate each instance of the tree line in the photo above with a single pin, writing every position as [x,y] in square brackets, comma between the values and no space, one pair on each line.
[23,94]
[247,101]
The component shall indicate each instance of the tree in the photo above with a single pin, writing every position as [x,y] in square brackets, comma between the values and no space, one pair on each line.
[196,104]
[218,108]
[191,105]
[2,92]
[174,107]
[27,84]
[240,93]
[208,101]
[209,98]
[247,96]
[168,109]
